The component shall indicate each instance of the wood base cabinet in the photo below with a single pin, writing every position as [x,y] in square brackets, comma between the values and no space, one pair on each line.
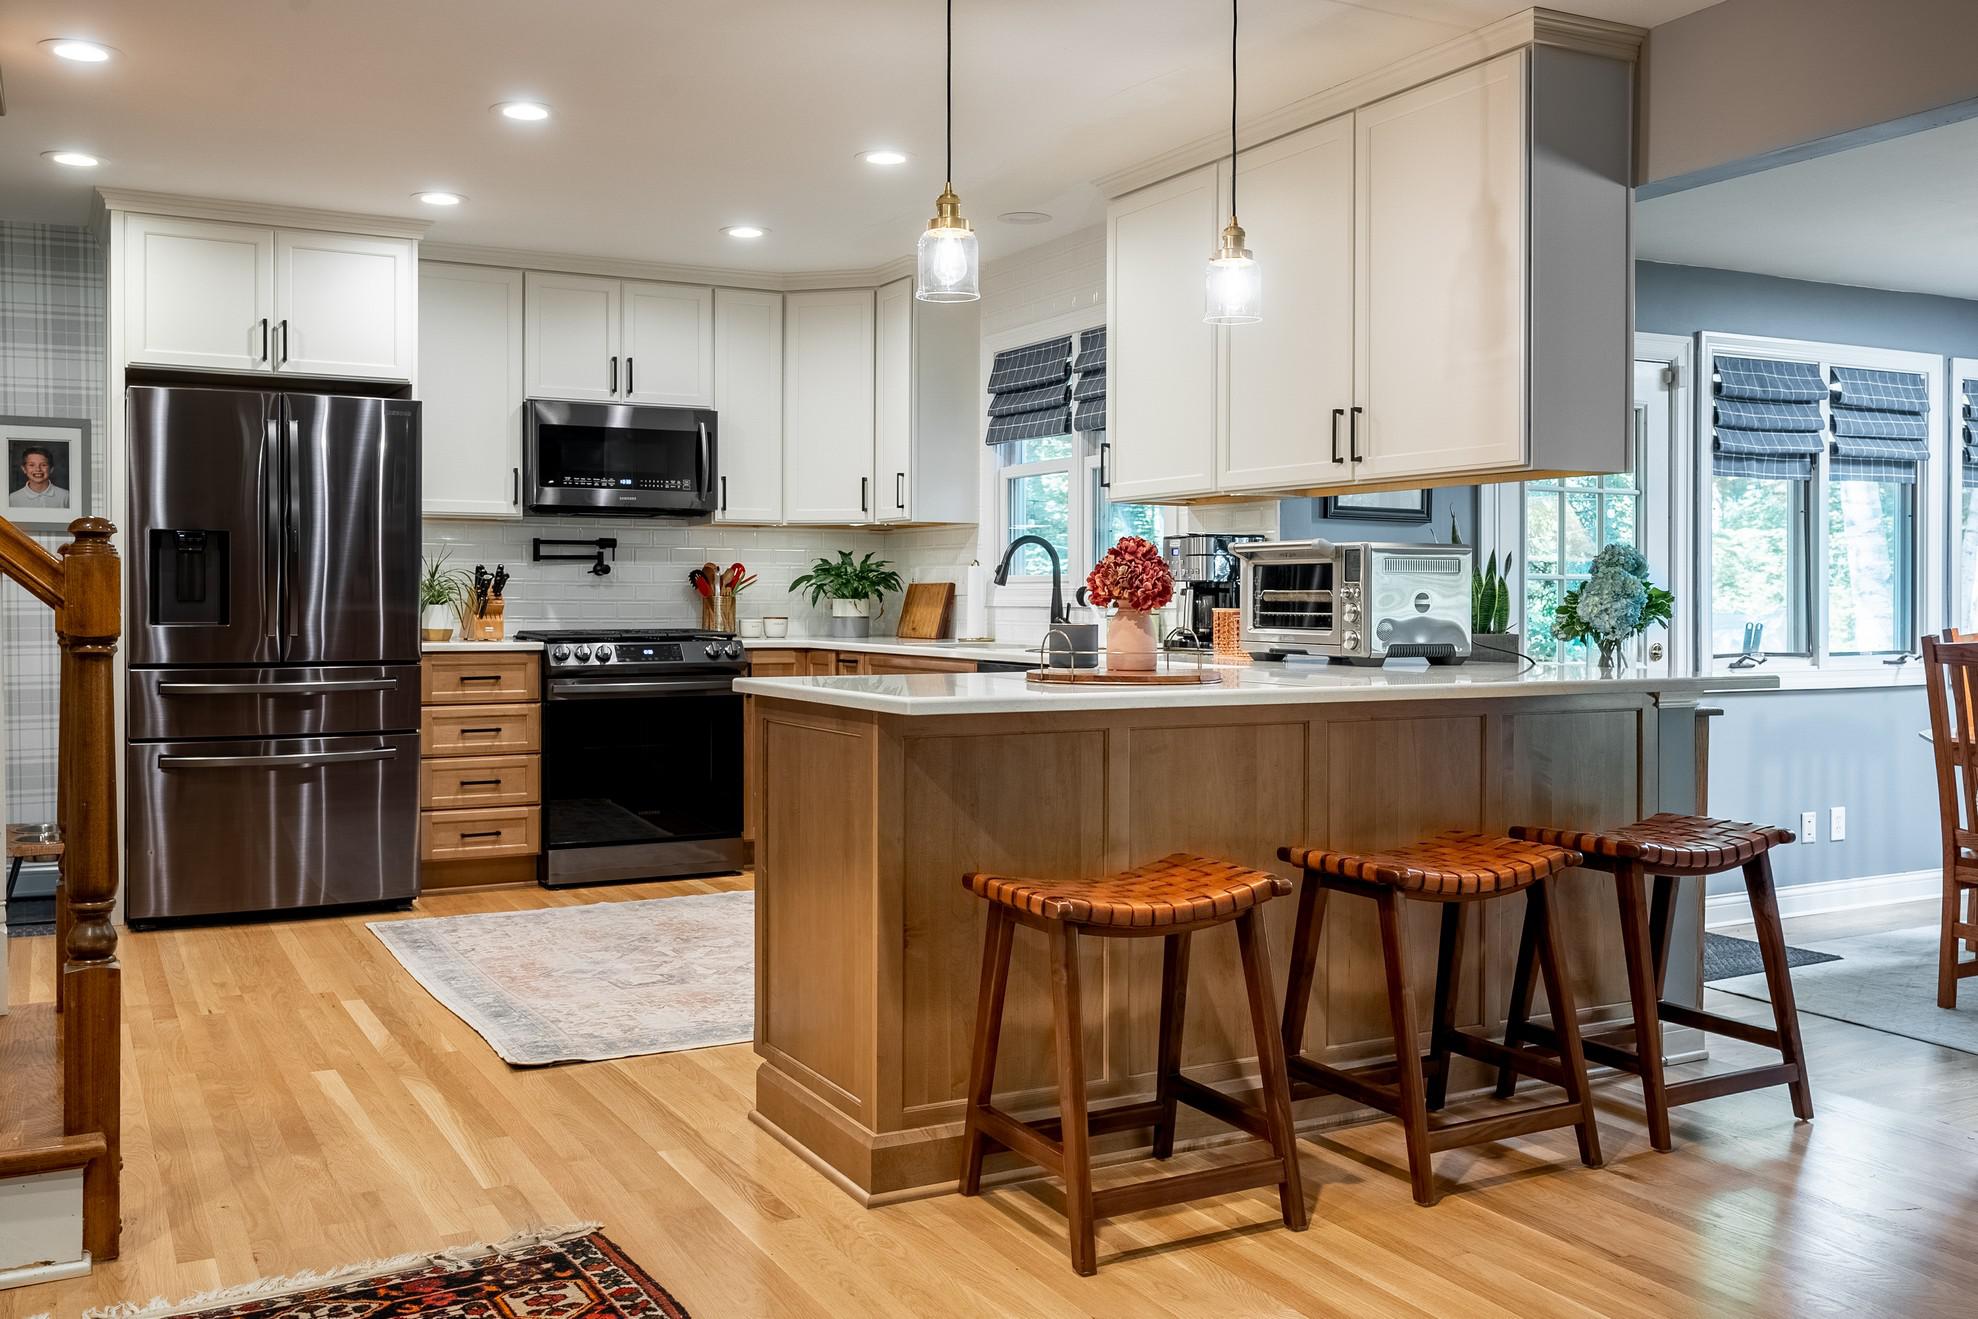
[480,773]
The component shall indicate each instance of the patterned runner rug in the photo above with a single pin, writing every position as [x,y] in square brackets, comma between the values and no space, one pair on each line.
[602,980]
[557,1274]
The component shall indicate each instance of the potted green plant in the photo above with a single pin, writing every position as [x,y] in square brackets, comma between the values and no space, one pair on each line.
[855,587]
[441,592]
[1617,602]
[1491,639]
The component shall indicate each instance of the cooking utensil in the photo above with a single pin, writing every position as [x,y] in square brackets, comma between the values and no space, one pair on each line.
[500,580]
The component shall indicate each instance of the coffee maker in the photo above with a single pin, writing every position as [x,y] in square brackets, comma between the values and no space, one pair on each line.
[1206,579]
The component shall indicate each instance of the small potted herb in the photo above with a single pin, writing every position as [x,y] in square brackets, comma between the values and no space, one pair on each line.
[855,588]
[442,590]
[1491,639]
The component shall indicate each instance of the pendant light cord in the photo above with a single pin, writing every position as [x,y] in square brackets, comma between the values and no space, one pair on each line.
[951,93]
[1232,107]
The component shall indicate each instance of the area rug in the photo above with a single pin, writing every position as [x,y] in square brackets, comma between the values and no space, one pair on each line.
[1887,982]
[602,980]
[1725,957]
[568,1273]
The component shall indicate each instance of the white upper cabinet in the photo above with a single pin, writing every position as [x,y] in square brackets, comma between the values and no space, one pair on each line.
[828,367]
[1160,356]
[345,305]
[748,402]
[1288,379]
[471,391]
[572,345]
[928,414]
[1442,275]
[198,293]
[668,344]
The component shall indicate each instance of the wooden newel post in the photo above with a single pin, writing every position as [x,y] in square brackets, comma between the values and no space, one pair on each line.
[88,627]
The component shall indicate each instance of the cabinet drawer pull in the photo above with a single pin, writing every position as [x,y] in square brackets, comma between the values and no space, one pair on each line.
[481,833]
[480,783]
[478,677]
[465,731]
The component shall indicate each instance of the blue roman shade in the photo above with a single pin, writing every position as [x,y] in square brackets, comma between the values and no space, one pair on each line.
[1881,425]
[1089,394]
[1968,431]
[1030,392]
[1766,418]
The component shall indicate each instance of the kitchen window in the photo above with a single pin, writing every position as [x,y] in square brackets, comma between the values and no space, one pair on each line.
[1822,474]
[1963,480]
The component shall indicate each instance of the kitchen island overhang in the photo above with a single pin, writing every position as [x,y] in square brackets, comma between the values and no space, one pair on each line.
[873,795]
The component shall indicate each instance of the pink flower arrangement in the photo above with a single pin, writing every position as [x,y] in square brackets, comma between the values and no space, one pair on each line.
[1132,575]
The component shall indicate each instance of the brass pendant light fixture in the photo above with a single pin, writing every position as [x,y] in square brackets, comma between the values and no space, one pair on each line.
[1234,288]
[950,270]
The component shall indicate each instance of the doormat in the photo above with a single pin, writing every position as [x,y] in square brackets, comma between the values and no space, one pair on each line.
[1725,957]
[543,1275]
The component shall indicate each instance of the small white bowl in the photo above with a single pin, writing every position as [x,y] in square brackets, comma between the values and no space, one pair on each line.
[775,627]
[750,627]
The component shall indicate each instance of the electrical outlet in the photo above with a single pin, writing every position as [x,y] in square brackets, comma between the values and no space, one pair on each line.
[1837,823]
[1809,826]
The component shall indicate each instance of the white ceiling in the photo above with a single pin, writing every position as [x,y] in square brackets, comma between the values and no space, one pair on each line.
[1899,214]
[672,118]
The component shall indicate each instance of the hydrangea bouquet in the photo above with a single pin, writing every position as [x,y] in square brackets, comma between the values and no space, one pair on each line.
[1616,603]
[1133,576]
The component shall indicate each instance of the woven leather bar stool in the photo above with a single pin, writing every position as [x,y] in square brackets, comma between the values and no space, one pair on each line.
[1454,869]
[1670,847]
[1170,899]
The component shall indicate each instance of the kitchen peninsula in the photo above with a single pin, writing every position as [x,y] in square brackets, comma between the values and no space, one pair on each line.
[875,795]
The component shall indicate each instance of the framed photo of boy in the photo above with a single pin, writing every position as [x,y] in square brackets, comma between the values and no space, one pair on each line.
[47,471]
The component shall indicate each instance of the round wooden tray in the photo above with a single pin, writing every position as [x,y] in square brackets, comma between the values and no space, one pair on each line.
[1101,678]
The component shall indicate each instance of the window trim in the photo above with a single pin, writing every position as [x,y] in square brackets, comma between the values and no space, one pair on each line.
[1930,544]
[1961,369]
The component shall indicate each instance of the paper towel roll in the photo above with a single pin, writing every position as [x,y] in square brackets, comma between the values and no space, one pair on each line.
[975,607]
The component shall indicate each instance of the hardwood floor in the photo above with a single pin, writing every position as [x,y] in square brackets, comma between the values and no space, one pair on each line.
[294,1100]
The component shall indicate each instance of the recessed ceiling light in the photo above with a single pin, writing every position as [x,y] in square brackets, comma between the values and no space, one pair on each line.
[744,231]
[73,159]
[884,156]
[1025,217]
[529,111]
[82,52]
[440,198]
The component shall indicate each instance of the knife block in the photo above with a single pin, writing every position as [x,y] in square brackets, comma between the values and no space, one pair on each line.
[484,626]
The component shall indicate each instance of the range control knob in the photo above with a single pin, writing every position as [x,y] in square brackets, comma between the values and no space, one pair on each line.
[602,654]
[734,649]
[583,653]
[714,650]
[559,655]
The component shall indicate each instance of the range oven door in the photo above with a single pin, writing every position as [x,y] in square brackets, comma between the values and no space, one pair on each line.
[642,778]
[617,459]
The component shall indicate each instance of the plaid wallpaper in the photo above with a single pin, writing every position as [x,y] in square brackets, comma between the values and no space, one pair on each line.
[52,361]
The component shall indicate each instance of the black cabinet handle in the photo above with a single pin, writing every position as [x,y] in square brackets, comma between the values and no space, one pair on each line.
[516,473]
[465,731]
[900,490]
[1105,478]
[724,494]
[482,833]
[614,375]
[284,360]
[1353,434]
[264,338]
[864,504]
[480,783]
[1337,413]
[628,377]
[480,677]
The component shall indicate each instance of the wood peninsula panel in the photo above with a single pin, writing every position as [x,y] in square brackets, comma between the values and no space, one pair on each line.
[1031,804]
[882,663]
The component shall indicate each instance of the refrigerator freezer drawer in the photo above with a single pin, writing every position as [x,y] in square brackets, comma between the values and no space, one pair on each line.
[174,704]
[223,827]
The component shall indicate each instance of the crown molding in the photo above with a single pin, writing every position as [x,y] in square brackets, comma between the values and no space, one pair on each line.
[662,271]
[288,217]
[1532,27]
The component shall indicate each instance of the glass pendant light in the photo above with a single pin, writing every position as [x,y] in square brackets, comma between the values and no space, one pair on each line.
[1234,290]
[950,270]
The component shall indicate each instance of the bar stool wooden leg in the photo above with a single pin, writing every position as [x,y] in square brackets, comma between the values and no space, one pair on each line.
[1566,1023]
[1448,971]
[1414,1113]
[1270,1064]
[1304,961]
[1075,1129]
[1174,1011]
[988,1033]
[1778,979]
[1523,978]
[1633,897]
[1661,916]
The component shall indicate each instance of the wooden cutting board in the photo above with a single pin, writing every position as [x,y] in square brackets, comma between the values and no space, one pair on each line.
[927,611]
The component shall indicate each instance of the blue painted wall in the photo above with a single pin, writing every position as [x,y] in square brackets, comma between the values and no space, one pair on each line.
[1298,519]
[1686,299]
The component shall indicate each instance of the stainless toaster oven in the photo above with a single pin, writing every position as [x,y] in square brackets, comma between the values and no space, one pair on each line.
[1361,602]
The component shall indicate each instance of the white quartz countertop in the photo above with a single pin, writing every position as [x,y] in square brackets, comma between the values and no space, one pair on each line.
[446,647]
[1004,651]
[1253,684]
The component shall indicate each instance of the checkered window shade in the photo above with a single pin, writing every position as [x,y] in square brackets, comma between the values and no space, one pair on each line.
[1881,425]
[1089,394]
[1766,417]
[1968,430]
[1030,392]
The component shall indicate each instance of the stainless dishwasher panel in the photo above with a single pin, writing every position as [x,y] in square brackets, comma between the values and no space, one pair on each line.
[313,701]
[220,827]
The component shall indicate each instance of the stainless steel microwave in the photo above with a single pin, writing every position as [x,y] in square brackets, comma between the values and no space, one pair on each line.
[1361,602]
[620,460]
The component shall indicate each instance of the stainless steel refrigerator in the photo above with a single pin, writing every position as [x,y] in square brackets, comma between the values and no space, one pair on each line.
[272,630]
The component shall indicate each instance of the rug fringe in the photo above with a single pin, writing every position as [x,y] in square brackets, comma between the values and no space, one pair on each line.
[311,1279]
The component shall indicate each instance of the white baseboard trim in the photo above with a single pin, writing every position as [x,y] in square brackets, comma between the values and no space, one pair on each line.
[34,1274]
[1722,909]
